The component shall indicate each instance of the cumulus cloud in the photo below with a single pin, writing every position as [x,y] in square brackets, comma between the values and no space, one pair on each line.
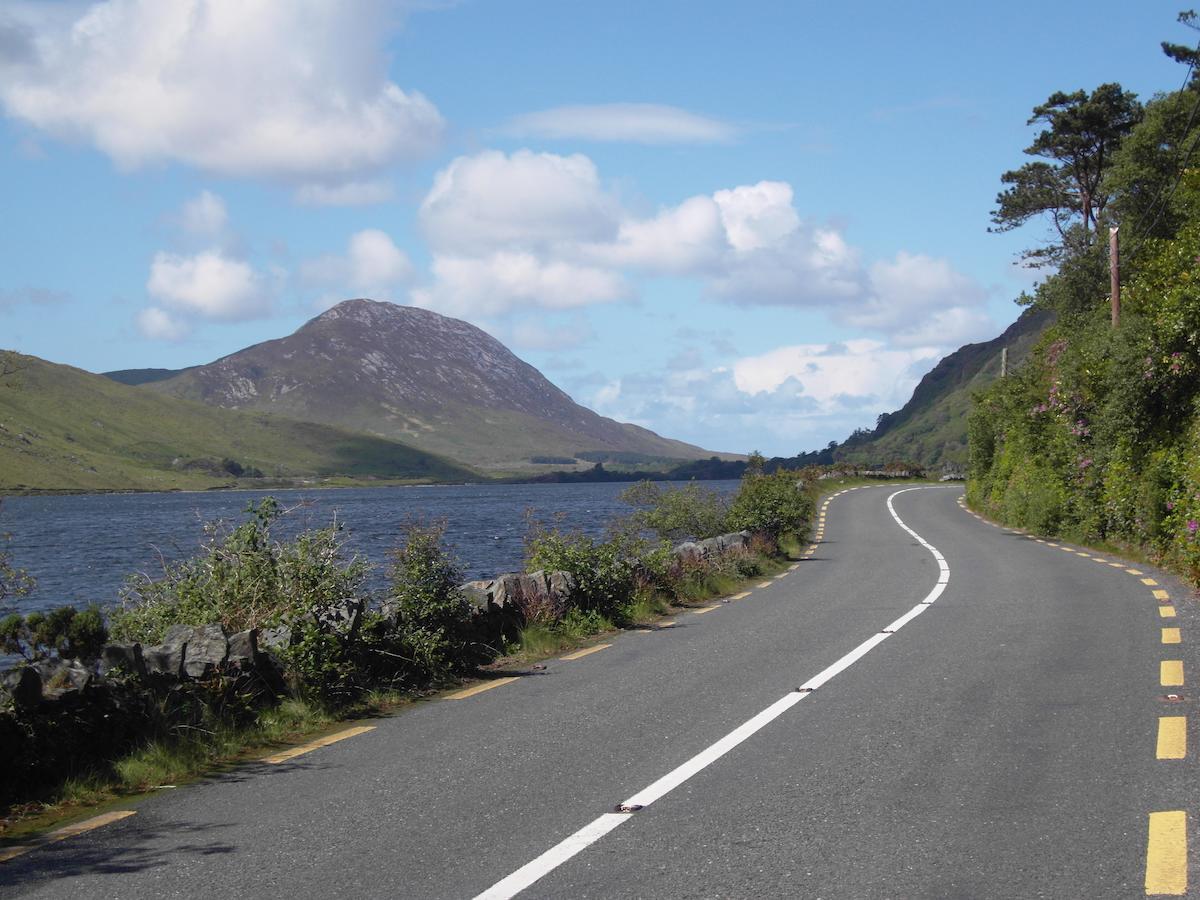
[293,91]
[642,123]
[784,401]
[538,230]
[351,193]
[502,282]
[528,200]
[159,325]
[205,216]
[209,285]
[372,266]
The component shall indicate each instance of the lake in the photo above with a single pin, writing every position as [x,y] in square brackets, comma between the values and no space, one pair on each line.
[82,547]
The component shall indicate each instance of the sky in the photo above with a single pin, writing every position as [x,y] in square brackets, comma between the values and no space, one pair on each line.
[748,225]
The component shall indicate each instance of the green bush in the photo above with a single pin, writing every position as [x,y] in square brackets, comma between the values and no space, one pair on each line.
[690,512]
[64,632]
[606,572]
[430,618]
[773,505]
[245,578]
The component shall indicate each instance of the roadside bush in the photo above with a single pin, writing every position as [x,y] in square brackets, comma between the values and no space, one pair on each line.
[245,578]
[430,619]
[605,571]
[689,512]
[64,632]
[774,505]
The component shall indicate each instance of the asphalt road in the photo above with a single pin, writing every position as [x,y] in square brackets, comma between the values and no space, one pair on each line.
[1003,740]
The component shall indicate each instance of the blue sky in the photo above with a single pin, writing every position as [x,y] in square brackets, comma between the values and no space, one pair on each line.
[749,225]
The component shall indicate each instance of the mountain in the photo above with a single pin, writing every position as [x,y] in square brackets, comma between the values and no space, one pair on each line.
[65,429]
[412,375]
[931,428]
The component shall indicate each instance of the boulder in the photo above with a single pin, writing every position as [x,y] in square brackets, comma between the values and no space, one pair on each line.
[243,651]
[206,649]
[479,594]
[687,550]
[507,592]
[168,657]
[23,685]
[561,586]
[344,618]
[63,679]
[122,657]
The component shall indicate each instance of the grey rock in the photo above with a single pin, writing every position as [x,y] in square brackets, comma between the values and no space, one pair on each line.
[206,650]
[63,679]
[277,638]
[479,594]
[561,585]
[125,657]
[168,657]
[23,685]
[344,618]
[243,651]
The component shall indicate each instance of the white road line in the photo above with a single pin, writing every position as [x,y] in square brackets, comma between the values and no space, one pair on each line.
[598,828]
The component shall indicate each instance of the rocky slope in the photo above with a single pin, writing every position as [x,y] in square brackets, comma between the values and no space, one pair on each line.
[436,383]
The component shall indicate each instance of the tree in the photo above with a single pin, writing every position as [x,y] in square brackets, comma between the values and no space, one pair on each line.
[1066,183]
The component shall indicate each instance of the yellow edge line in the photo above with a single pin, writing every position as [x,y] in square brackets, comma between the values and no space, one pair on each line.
[1161,595]
[742,596]
[1150,581]
[62,834]
[1166,853]
[707,609]
[764,584]
[480,688]
[1133,571]
[1170,673]
[1171,636]
[587,651]
[317,744]
[1166,612]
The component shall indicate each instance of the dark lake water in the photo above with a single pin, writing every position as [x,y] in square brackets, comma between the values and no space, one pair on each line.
[81,547]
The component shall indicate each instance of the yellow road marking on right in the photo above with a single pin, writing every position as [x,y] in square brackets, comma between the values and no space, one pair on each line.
[1166,853]
[781,575]
[1172,737]
[742,596]
[1166,612]
[764,584]
[62,834]
[1170,673]
[1133,571]
[480,688]
[319,743]
[1149,581]
[587,651]
[1161,595]
[707,609]
[1171,636]
[1117,565]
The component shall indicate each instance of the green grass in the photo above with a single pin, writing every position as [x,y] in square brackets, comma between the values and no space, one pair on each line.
[63,429]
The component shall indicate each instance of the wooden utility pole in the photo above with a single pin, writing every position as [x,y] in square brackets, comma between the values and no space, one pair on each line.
[1003,362]
[1114,272]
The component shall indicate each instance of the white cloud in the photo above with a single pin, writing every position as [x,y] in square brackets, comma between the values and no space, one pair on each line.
[858,372]
[159,325]
[351,193]
[684,239]
[295,91]
[643,123]
[501,282]
[205,216]
[756,216]
[528,200]
[210,285]
[372,266]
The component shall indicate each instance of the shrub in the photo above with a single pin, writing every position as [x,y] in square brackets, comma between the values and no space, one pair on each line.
[605,571]
[245,578]
[14,582]
[64,632]
[774,505]
[677,513]
[431,617]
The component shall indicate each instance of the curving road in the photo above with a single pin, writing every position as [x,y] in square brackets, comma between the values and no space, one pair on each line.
[928,706]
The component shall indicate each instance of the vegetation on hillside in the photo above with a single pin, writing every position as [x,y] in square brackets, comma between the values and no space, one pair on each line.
[65,429]
[1097,436]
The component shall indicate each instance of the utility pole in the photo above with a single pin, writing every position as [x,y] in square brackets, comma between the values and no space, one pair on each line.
[1003,362]
[1114,271]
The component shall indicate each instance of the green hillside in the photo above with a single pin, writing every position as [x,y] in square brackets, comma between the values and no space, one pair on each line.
[931,428]
[65,429]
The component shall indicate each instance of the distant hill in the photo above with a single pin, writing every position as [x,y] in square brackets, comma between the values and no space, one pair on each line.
[141,376]
[408,374]
[931,428]
[65,429]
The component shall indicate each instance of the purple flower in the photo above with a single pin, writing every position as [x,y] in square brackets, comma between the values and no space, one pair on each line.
[1192,526]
